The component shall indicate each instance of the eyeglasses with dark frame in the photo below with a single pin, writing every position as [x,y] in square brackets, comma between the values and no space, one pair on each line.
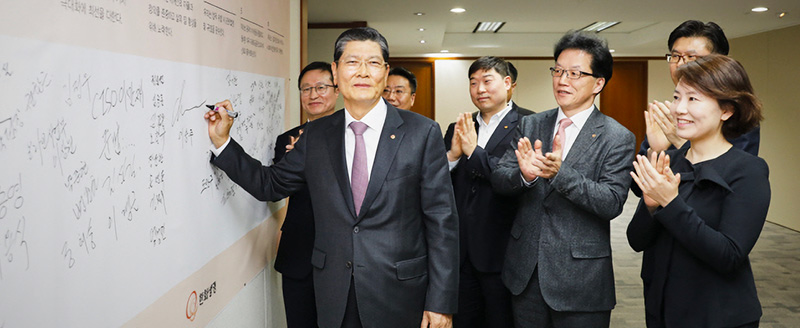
[571,73]
[675,58]
[322,89]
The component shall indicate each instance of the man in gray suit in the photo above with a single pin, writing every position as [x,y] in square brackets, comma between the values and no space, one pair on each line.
[386,242]
[558,260]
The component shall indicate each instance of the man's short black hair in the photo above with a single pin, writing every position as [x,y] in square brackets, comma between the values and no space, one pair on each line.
[602,62]
[317,65]
[695,28]
[512,71]
[487,63]
[360,34]
[402,71]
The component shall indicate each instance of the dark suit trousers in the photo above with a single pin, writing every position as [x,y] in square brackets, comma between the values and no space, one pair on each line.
[351,317]
[483,300]
[298,300]
[531,310]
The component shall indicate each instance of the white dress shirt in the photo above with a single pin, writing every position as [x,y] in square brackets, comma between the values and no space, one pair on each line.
[374,121]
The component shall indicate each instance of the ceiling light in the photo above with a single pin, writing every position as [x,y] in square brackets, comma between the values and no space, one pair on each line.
[488,27]
[612,51]
[457,10]
[598,26]
[759,9]
[445,50]
[421,29]
[782,14]
[421,41]
[419,13]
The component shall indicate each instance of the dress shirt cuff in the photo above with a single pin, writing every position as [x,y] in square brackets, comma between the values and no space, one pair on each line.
[452,165]
[526,183]
[217,151]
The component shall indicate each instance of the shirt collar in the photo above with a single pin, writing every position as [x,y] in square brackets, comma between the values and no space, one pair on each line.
[499,116]
[579,119]
[374,118]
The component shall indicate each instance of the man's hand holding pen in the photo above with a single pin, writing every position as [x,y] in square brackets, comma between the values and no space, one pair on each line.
[219,123]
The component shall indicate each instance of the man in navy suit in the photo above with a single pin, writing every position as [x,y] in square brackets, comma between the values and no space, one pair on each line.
[476,142]
[571,181]
[317,99]
[386,243]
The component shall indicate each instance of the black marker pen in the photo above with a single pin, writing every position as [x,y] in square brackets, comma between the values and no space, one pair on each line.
[230,112]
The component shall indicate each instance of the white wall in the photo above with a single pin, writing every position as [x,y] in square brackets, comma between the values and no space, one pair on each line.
[772,60]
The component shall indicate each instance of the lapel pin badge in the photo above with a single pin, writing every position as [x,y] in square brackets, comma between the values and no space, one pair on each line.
[594,135]
[391,136]
[505,127]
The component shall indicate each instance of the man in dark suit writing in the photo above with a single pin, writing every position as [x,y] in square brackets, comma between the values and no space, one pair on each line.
[572,181]
[386,242]
[317,99]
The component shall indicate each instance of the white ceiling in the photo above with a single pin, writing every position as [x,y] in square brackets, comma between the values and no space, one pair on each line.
[532,27]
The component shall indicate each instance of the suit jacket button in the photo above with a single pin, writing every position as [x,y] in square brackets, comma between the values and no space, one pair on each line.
[348,264]
[355,230]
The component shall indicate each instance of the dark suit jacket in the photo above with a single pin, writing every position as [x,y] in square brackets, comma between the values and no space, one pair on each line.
[696,270]
[402,250]
[563,224]
[297,237]
[484,216]
[748,142]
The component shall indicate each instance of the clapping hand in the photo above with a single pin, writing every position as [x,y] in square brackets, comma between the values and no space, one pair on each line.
[467,133]
[526,158]
[293,140]
[549,164]
[655,178]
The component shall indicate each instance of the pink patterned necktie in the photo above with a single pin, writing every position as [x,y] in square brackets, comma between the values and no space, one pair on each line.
[562,134]
[360,176]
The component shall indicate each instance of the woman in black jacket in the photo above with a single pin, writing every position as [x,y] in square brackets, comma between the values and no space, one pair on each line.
[703,206]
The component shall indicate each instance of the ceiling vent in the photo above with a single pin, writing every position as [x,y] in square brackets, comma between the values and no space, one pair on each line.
[598,27]
[488,27]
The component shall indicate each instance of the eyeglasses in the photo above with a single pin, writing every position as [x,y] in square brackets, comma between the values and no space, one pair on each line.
[372,64]
[572,74]
[388,92]
[686,58]
[322,89]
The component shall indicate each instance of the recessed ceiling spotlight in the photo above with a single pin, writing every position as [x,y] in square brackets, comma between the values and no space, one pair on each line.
[445,50]
[421,29]
[612,51]
[421,41]
[782,14]
[759,9]
[457,10]
[419,13]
